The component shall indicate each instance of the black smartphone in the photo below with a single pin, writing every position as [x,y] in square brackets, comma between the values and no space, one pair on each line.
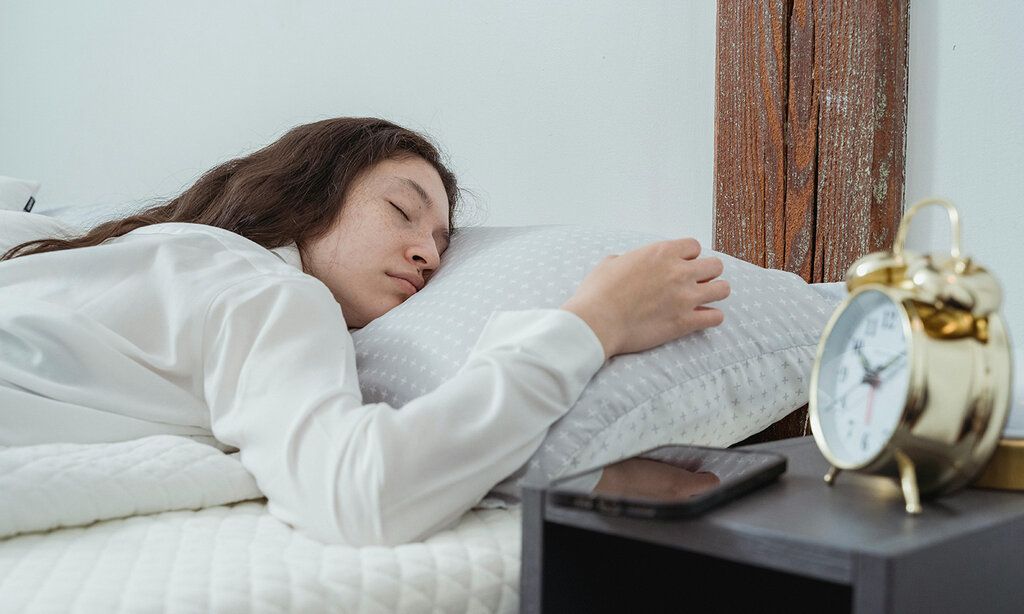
[675,481]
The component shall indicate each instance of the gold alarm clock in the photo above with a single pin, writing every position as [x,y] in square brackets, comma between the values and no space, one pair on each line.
[912,375]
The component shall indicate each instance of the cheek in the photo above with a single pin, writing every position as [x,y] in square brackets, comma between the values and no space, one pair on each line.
[359,250]
[349,250]
[373,234]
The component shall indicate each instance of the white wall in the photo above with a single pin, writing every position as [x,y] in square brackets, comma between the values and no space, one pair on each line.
[552,112]
[596,112]
[965,133]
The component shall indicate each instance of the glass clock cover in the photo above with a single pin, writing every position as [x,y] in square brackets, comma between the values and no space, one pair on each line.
[863,378]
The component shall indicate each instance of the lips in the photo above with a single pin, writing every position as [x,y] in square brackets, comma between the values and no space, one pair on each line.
[409,282]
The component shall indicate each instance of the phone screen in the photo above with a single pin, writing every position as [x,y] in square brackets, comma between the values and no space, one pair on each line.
[670,480]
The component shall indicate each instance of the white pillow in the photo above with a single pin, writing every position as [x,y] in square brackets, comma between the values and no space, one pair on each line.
[17,227]
[84,217]
[714,387]
[834,291]
[17,194]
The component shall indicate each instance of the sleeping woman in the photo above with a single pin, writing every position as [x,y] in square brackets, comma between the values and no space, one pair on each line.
[224,314]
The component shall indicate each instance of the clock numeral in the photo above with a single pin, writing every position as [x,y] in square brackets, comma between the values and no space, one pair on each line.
[858,344]
[864,442]
[843,372]
[871,327]
[889,320]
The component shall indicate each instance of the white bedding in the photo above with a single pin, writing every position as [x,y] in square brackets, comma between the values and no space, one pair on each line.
[169,524]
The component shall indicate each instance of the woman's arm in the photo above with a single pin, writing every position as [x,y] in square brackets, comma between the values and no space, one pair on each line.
[281,385]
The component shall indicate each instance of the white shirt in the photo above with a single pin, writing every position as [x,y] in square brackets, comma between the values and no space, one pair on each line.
[191,330]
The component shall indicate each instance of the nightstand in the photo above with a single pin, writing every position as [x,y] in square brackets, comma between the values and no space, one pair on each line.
[795,545]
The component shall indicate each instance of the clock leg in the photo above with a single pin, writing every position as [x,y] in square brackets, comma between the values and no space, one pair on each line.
[830,477]
[908,481]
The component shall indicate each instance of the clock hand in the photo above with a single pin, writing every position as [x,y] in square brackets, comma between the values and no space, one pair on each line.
[871,401]
[845,393]
[863,360]
[870,377]
[891,362]
[876,380]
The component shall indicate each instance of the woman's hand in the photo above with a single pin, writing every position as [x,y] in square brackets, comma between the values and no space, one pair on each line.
[650,296]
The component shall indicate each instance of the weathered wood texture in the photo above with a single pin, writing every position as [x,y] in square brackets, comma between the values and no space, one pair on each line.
[861,63]
[810,127]
[750,115]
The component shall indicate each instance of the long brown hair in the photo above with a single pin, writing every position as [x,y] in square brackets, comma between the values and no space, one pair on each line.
[288,192]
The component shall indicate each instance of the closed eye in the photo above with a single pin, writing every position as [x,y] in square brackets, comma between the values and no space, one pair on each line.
[399,209]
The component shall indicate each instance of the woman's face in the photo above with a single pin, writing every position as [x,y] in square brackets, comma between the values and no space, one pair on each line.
[393,225]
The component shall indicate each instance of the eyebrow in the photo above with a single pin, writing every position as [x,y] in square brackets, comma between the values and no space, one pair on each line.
[409,183]
[416,187]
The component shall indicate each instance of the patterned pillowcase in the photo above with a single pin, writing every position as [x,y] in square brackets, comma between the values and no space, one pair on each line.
[714,387]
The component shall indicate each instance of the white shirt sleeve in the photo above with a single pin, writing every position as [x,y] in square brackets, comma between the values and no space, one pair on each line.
[281,384]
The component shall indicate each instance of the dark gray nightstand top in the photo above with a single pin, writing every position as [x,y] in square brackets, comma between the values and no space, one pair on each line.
[800,524]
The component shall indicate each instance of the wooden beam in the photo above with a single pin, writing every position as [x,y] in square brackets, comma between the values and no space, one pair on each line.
[750,114]
[801,143]
[861,74]
[810,130]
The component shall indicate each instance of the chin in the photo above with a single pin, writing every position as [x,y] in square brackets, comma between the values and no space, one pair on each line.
[369,315]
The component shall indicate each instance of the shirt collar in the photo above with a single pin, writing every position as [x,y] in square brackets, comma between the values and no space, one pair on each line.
[289,254]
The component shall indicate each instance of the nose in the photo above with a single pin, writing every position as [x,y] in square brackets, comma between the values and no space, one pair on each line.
[423,255]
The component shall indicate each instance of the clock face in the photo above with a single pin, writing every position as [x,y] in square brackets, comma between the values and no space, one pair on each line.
[863,378]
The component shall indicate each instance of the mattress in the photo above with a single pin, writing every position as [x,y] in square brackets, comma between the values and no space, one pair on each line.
[134,527]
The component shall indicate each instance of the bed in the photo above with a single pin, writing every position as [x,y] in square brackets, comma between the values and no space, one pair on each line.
[169,524]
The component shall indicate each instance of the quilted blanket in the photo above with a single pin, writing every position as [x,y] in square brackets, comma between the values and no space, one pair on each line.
[172,525]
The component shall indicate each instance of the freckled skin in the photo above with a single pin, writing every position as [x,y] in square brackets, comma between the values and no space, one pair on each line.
[371,239]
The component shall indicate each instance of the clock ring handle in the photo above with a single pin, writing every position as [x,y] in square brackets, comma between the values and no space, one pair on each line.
[960,283]
[954,228]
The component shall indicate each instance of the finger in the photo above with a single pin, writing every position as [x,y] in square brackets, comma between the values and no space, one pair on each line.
[706,317]
[706,269]
[711,291]
[687,248]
